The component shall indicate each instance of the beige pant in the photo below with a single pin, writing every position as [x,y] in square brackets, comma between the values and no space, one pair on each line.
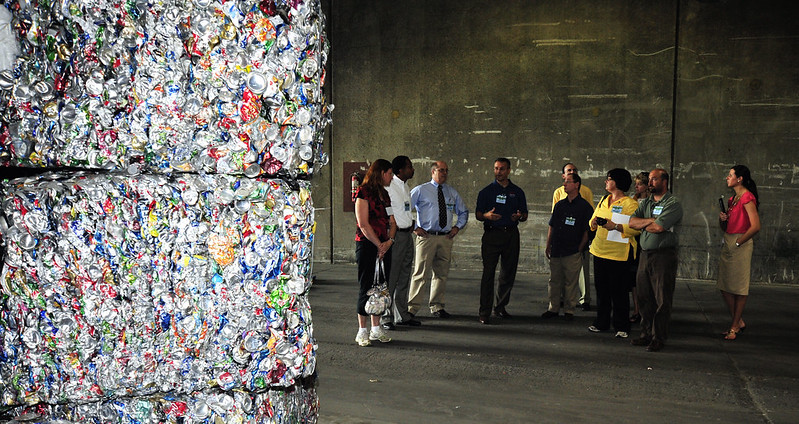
[433,254]
[565,273]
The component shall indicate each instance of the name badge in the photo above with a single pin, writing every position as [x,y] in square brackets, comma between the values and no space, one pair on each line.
[501,199]
[570,221]
[407,206]
[617,209]
[657,211]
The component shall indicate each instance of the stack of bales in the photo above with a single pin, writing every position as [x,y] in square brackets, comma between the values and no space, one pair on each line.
[159,270]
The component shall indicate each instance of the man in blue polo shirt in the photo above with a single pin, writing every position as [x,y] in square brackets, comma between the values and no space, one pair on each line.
[500,206]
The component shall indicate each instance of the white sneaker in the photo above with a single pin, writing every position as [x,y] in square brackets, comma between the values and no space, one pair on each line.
[362,339]
[593,329]
[621,335]
[380,335]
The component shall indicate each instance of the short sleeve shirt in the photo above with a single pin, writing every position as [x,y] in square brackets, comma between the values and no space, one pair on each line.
[667,213]
[504,200]
[569,221]
[378,215]
[737,218]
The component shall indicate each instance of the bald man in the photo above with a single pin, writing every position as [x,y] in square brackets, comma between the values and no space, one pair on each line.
[440,214]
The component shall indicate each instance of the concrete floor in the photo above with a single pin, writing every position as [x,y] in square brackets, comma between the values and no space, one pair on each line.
[527,369]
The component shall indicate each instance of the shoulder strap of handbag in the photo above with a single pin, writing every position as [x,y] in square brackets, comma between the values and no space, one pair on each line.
[603,199]
[378,271]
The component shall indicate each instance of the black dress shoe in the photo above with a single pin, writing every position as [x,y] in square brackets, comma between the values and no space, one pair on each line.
[388,326]
[586,307]
[484,320]
[549,314]
[411,322]
[441,314]
[502,313]
[655,346]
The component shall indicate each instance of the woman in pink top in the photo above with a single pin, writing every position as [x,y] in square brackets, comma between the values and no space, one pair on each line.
[740,223]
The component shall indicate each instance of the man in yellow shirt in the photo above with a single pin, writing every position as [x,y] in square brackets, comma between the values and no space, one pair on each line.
[560,193]
[585,192]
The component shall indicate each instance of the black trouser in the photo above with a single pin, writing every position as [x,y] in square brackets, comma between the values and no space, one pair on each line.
[365,256]
[612,282]
[498,246]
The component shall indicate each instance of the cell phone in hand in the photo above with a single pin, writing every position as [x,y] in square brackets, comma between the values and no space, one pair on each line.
[721,205]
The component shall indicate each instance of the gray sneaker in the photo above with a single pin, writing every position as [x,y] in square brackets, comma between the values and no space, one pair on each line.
[362,339]
[379,335]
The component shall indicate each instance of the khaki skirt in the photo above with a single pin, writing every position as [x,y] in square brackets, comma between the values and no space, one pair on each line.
[735,266]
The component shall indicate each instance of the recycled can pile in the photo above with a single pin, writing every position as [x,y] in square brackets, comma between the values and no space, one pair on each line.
[158,270]
[127,286]
[232,87]
[208,406]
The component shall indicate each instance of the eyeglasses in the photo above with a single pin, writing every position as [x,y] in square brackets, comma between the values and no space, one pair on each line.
[444,170]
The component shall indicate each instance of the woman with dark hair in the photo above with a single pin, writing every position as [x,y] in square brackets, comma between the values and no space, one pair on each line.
[613,248]
[373,239]
[740,223]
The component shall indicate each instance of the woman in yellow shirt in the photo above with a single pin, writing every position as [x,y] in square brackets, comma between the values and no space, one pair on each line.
[613,246]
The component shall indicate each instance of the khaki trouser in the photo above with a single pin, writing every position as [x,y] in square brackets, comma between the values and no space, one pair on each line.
[565,273]
[433,255]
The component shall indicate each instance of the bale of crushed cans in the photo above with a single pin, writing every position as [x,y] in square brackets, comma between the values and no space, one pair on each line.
[297,405]
[216,86]
[122,291]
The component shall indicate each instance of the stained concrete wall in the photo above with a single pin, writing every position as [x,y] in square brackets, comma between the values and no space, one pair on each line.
[694,87]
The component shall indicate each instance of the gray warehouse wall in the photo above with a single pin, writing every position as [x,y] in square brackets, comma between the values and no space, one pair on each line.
[694,87]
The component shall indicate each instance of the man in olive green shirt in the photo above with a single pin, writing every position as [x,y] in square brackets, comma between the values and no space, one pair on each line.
[656,216]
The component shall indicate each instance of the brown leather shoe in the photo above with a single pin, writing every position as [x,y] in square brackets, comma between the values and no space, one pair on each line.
[655,346]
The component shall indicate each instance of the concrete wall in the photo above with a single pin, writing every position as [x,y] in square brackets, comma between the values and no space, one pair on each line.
[593,82]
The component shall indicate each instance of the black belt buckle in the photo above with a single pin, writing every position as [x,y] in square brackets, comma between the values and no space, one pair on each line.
[438,233]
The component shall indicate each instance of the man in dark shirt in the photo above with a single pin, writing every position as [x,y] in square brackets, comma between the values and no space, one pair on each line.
[500,206]
[566,239]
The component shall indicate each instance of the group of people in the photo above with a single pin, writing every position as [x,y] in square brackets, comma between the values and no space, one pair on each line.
[383,211]
[631,239]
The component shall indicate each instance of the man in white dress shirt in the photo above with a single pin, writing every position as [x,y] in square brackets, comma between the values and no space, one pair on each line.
[402,251]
